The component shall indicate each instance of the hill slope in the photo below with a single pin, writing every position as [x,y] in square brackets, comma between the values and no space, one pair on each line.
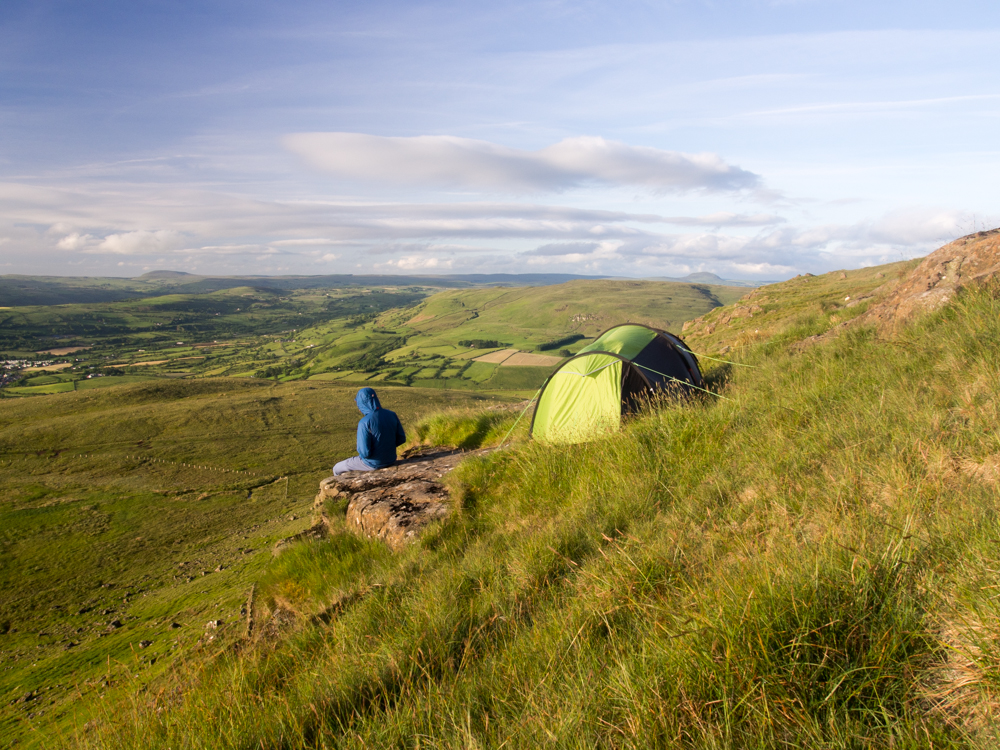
[805,559]
[137,514]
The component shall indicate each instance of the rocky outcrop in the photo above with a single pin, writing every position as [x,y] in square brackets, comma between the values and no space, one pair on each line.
[968,260]
[974,258]
[394,504]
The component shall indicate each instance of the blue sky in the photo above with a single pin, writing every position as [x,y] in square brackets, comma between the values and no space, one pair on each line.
[751,139]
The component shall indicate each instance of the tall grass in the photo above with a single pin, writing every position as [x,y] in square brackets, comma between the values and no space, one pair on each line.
[469,428]
[808,563]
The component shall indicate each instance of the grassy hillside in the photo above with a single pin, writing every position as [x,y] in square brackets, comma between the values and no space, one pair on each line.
[353,335]
[519,316]
[795,309]
[19,290]
[805,559]
[137,514]
[532,318]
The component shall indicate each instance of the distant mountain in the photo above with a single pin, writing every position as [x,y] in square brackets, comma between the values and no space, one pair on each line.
[158,275]
[703,277]
[18,291]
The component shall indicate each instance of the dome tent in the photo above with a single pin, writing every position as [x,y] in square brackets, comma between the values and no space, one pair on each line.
[626,365]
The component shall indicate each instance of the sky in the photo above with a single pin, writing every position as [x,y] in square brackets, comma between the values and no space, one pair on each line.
[754,139]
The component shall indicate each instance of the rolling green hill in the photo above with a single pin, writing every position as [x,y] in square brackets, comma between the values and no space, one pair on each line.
[20,290]
[804,558]
[401,335]
[525,316]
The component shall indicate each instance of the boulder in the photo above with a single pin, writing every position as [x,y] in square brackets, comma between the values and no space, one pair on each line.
[395,504]
[972,259]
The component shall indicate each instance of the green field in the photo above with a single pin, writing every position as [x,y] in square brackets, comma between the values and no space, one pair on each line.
[405,336]
[147,505]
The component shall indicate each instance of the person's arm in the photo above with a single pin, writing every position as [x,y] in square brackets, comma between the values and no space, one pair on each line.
[365,443]
[400,435]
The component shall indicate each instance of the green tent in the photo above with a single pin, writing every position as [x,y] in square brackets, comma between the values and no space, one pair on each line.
[589,392]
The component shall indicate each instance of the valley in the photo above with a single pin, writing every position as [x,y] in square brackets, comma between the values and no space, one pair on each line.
[153,450]
[798,556]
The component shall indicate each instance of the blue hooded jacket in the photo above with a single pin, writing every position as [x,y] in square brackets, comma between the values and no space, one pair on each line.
[379,431]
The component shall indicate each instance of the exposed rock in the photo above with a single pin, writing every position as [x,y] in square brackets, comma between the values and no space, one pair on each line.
[971,259]
[395,504]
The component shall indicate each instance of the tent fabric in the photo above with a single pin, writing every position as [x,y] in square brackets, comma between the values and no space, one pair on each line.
[625,341]
[586,395]
[615,375]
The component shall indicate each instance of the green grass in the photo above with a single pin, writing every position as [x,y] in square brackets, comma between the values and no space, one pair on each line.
[527,317]
[472,428]
[196,329]
[807,562]
[795,309]
[480,371]
[518,378]
[116,501]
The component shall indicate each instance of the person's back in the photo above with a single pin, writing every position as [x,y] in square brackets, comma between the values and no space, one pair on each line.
[379,432]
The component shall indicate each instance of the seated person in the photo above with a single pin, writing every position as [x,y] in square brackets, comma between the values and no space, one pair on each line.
[379,432]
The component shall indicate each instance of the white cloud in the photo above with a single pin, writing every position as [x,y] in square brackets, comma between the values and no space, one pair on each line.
[237,249]
[75,241]
[309,242]
[918,226]
[726,219]
[140,242]
[480,165]
[417,263]
[565,248]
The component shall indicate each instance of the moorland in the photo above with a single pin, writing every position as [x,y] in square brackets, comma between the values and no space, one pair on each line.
[803,556]
[159,436]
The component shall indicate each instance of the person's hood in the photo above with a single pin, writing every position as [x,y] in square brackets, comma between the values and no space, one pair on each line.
[367,401]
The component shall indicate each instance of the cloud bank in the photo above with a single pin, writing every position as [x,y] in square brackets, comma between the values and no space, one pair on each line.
[93,226]
[464,163]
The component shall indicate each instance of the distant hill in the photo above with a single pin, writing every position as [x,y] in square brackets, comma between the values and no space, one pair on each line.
[157,275]
[18,291]
[526,317]
[704,277]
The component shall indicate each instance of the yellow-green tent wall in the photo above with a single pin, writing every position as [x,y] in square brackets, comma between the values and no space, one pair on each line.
[582,399]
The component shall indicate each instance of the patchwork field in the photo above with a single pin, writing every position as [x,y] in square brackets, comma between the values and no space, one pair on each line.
[404,336]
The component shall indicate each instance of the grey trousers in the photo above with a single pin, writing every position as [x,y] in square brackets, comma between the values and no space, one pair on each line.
[354,463]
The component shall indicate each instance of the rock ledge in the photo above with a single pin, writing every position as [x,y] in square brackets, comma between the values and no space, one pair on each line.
[395,504]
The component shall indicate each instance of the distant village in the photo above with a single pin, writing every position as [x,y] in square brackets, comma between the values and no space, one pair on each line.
[11,369]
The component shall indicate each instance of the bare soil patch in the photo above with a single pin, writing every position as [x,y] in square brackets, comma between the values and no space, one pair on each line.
[496,358]
[60,366]
[526,359]
[64,350]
